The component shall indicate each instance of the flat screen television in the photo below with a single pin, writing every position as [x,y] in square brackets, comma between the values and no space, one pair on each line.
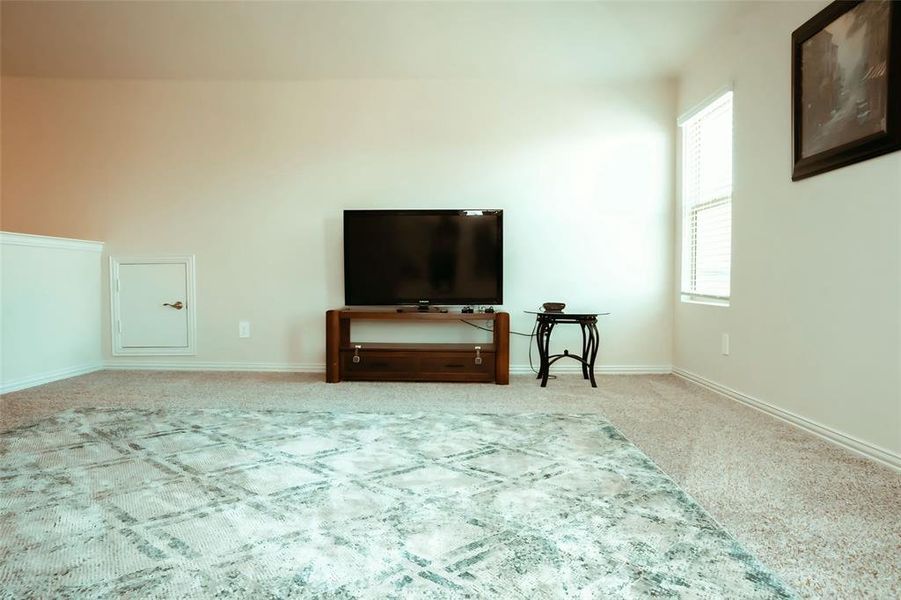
[423,257]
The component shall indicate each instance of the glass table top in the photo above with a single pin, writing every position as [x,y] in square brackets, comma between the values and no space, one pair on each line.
[568,313]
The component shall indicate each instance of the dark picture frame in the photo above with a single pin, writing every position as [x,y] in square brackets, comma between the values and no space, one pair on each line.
[846,86]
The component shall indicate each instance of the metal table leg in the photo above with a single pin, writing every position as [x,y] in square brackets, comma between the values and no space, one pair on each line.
[594,342]
[539,336]
[542,339]
[585,348]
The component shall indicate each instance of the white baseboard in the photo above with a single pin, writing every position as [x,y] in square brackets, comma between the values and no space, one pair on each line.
[859,447]
[157,365]
[142,365]
[573,367]
[20,384]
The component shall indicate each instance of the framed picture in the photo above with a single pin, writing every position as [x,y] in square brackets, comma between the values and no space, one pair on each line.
[846,86]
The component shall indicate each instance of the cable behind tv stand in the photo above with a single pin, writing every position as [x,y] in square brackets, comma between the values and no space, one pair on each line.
[369,361]
[421,309]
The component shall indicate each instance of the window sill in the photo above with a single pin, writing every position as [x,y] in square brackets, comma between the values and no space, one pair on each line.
[690,299]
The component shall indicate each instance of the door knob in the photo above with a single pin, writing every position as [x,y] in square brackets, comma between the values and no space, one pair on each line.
[177,306]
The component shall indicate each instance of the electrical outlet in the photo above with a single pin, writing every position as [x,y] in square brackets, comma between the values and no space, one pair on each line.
[725,344]
[244,329]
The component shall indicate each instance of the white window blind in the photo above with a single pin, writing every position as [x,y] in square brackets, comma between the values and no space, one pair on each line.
[707,201]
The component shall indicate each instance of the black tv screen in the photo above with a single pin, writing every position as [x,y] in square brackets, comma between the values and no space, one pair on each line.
[423,256]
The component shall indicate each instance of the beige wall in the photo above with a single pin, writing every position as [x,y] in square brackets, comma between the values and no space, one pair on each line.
[49,309]
[815,317]
[252,177]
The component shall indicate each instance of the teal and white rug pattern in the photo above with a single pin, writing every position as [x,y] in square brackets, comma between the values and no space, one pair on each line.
[198,503]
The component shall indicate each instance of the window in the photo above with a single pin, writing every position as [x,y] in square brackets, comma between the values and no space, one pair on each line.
[707,202]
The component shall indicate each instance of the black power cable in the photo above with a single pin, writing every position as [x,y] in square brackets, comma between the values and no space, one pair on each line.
[528,335]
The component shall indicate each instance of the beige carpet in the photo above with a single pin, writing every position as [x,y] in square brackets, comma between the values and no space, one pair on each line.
[826,521]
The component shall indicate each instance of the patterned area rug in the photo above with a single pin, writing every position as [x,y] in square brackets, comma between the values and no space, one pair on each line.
[239,504]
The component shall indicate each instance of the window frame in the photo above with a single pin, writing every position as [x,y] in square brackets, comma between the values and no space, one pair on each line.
[689,216]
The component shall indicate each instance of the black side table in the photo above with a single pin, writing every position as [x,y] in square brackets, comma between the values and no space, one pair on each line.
[588,322]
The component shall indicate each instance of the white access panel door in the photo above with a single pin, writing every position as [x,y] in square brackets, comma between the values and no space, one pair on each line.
[153,305]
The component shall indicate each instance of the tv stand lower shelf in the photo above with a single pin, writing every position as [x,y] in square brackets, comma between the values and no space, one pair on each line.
[475,362]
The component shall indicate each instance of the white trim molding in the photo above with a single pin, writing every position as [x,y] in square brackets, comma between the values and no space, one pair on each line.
[857,446]
[9,238]
[190,305]
[699,107]
[576,368]
[171,365]
[142,365]
[48,377]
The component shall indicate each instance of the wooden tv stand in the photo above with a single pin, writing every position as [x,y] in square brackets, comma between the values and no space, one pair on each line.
[488,362]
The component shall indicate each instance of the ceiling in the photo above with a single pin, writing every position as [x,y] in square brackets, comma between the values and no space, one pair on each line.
[597,41]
